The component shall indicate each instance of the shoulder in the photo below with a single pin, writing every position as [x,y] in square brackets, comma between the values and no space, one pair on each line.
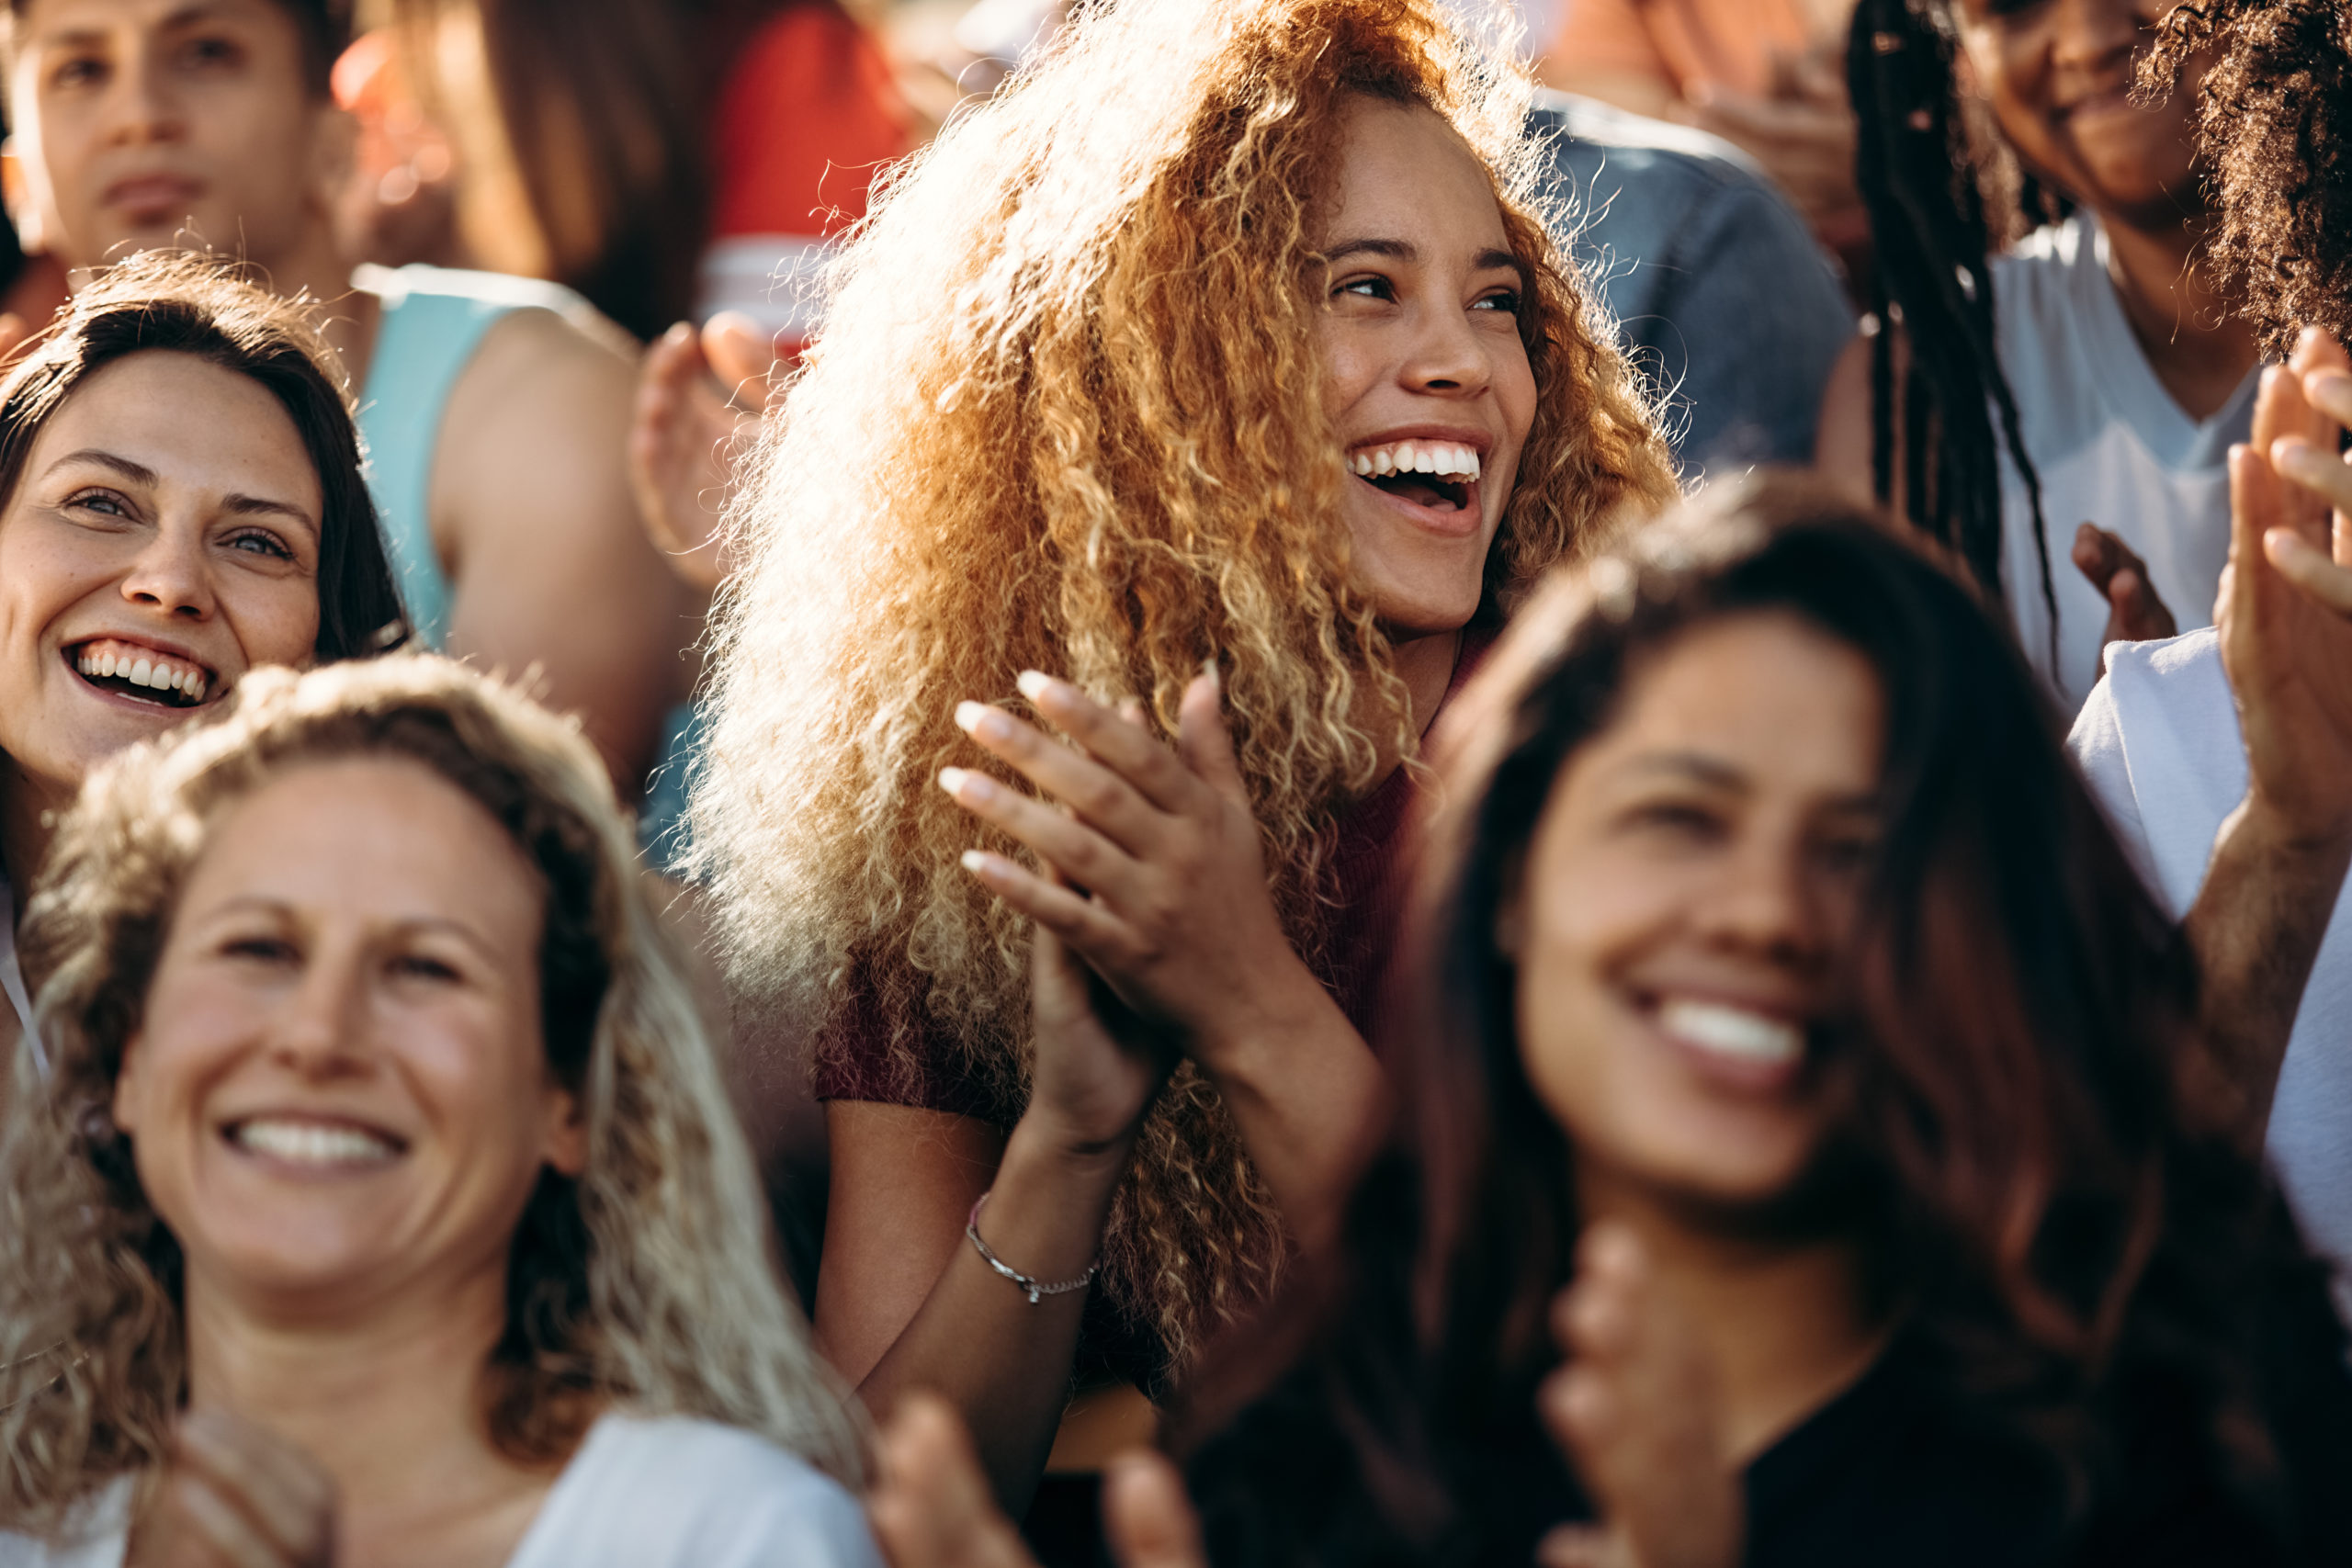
[1673,167]
[652,1492]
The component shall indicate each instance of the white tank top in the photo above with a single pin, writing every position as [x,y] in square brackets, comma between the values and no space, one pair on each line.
[2110,446]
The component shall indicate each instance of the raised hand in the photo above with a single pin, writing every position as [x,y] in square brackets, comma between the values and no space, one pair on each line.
[1634,1409]
[1161,883]
[932,1508]
[234,1496]
[1098,1066]
[2285,610]
[700,396]
[2134,614]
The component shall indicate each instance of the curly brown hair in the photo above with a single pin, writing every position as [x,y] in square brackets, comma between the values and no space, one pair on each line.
[1065,416]
[2275,116]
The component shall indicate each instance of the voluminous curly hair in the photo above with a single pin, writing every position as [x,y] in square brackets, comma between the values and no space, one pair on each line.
[1066,413]
[647,1281]
[2274,117]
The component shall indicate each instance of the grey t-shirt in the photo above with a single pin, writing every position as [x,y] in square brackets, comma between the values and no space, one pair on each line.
[1730,310]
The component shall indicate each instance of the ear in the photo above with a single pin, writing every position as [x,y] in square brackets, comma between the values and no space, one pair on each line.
[127,1083]
[566,1148]
[16,190]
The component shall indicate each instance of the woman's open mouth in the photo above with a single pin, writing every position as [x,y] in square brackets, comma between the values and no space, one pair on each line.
[142,674]
[1440,475]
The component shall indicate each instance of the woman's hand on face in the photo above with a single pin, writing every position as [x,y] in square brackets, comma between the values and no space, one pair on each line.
[232,1495]
[2285,608]
[1634,1409]
[932,1508]
[1161,885]
[2134,614]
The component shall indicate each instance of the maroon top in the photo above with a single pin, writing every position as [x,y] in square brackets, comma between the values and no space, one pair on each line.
[1363,913]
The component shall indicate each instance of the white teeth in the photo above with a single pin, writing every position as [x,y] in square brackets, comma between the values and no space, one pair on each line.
[311,1143]
[105,663]
[1732,1032]
[1384,461]
[195,686]
[140,671]
[1405,458]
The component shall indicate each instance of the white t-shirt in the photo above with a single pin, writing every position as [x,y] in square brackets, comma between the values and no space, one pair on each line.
[2159,741]
[2110,447]
[667,1492]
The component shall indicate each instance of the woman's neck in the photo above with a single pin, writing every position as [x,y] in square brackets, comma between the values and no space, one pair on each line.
[2199,345]
[391,1405]
[1787,1327]
[1425,663]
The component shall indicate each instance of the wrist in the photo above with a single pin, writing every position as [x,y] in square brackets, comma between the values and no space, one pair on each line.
[1234,1045]
[2265,821]
[1050,1142]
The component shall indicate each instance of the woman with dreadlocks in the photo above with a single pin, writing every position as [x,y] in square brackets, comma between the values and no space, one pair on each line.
[2074,395]
[1214,382]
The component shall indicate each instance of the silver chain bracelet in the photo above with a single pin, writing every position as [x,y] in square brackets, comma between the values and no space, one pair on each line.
[1034,1288]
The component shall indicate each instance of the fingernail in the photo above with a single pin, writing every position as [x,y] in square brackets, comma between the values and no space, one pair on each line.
[1032,683]
[975,861]
[981,722]
[964,785]
[1208,668]
[2297,460]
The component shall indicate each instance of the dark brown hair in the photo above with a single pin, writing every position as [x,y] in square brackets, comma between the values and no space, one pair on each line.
[2275,119]
[176,303]
[2063,1242]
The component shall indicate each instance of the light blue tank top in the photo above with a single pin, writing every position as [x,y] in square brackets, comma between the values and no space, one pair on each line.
[433,320]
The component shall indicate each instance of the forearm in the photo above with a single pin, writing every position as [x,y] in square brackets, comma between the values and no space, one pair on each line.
[1308,1098]
[2257,926]
[979,1341]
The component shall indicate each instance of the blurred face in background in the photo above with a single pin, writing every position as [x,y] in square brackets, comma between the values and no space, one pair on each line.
[1427,378]
[138,120]
[2058,75]
[1682,914]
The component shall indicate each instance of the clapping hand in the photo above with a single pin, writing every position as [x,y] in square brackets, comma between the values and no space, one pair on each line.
[2134,614]
[1634,1409]
[933,1508]
[1161,882]
[2285,608]
[232,1495]
[700,396]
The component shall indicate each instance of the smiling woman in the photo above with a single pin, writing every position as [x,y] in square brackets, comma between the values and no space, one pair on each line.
[384,1204]
[1215,383]
[180,503]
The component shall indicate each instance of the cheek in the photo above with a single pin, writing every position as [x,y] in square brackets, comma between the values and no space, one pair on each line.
[274,623]
[1351,366]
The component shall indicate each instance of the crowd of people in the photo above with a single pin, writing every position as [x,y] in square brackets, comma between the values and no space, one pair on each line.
[1233,783]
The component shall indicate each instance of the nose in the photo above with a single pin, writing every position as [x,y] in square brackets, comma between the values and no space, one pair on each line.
[1445,358]
[316,1029]
[171,575]
[143,106]
[1768,905]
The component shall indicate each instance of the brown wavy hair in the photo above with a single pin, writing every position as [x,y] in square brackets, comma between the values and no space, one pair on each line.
[2275,119]
[1065,413]
[647,1281]
[2087,1268]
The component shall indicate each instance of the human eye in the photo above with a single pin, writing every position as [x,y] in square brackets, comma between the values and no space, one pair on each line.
[427,966]
[77,69]
[265,948]
[212,51]
[1371,286]
[260,542]
[96,500]
[1674,819]
[1502,301]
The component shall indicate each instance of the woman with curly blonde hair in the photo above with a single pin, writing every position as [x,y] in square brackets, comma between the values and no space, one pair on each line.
[1220,367]
[382,1203]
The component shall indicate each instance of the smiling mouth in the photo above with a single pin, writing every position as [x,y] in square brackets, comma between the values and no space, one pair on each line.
[142,674]
[321,1146]
[1441,475]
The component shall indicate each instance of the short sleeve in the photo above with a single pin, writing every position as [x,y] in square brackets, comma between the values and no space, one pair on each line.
[2097,744]
[859,1055]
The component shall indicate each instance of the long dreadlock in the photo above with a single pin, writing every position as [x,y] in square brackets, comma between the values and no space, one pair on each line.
[1934,181]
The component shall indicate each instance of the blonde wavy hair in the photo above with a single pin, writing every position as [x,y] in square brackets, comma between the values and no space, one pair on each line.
[647,1282]
[1066,413]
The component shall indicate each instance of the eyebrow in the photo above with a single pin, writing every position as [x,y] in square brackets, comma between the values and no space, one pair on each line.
[1405,251]
[235,503]
[1715,774]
